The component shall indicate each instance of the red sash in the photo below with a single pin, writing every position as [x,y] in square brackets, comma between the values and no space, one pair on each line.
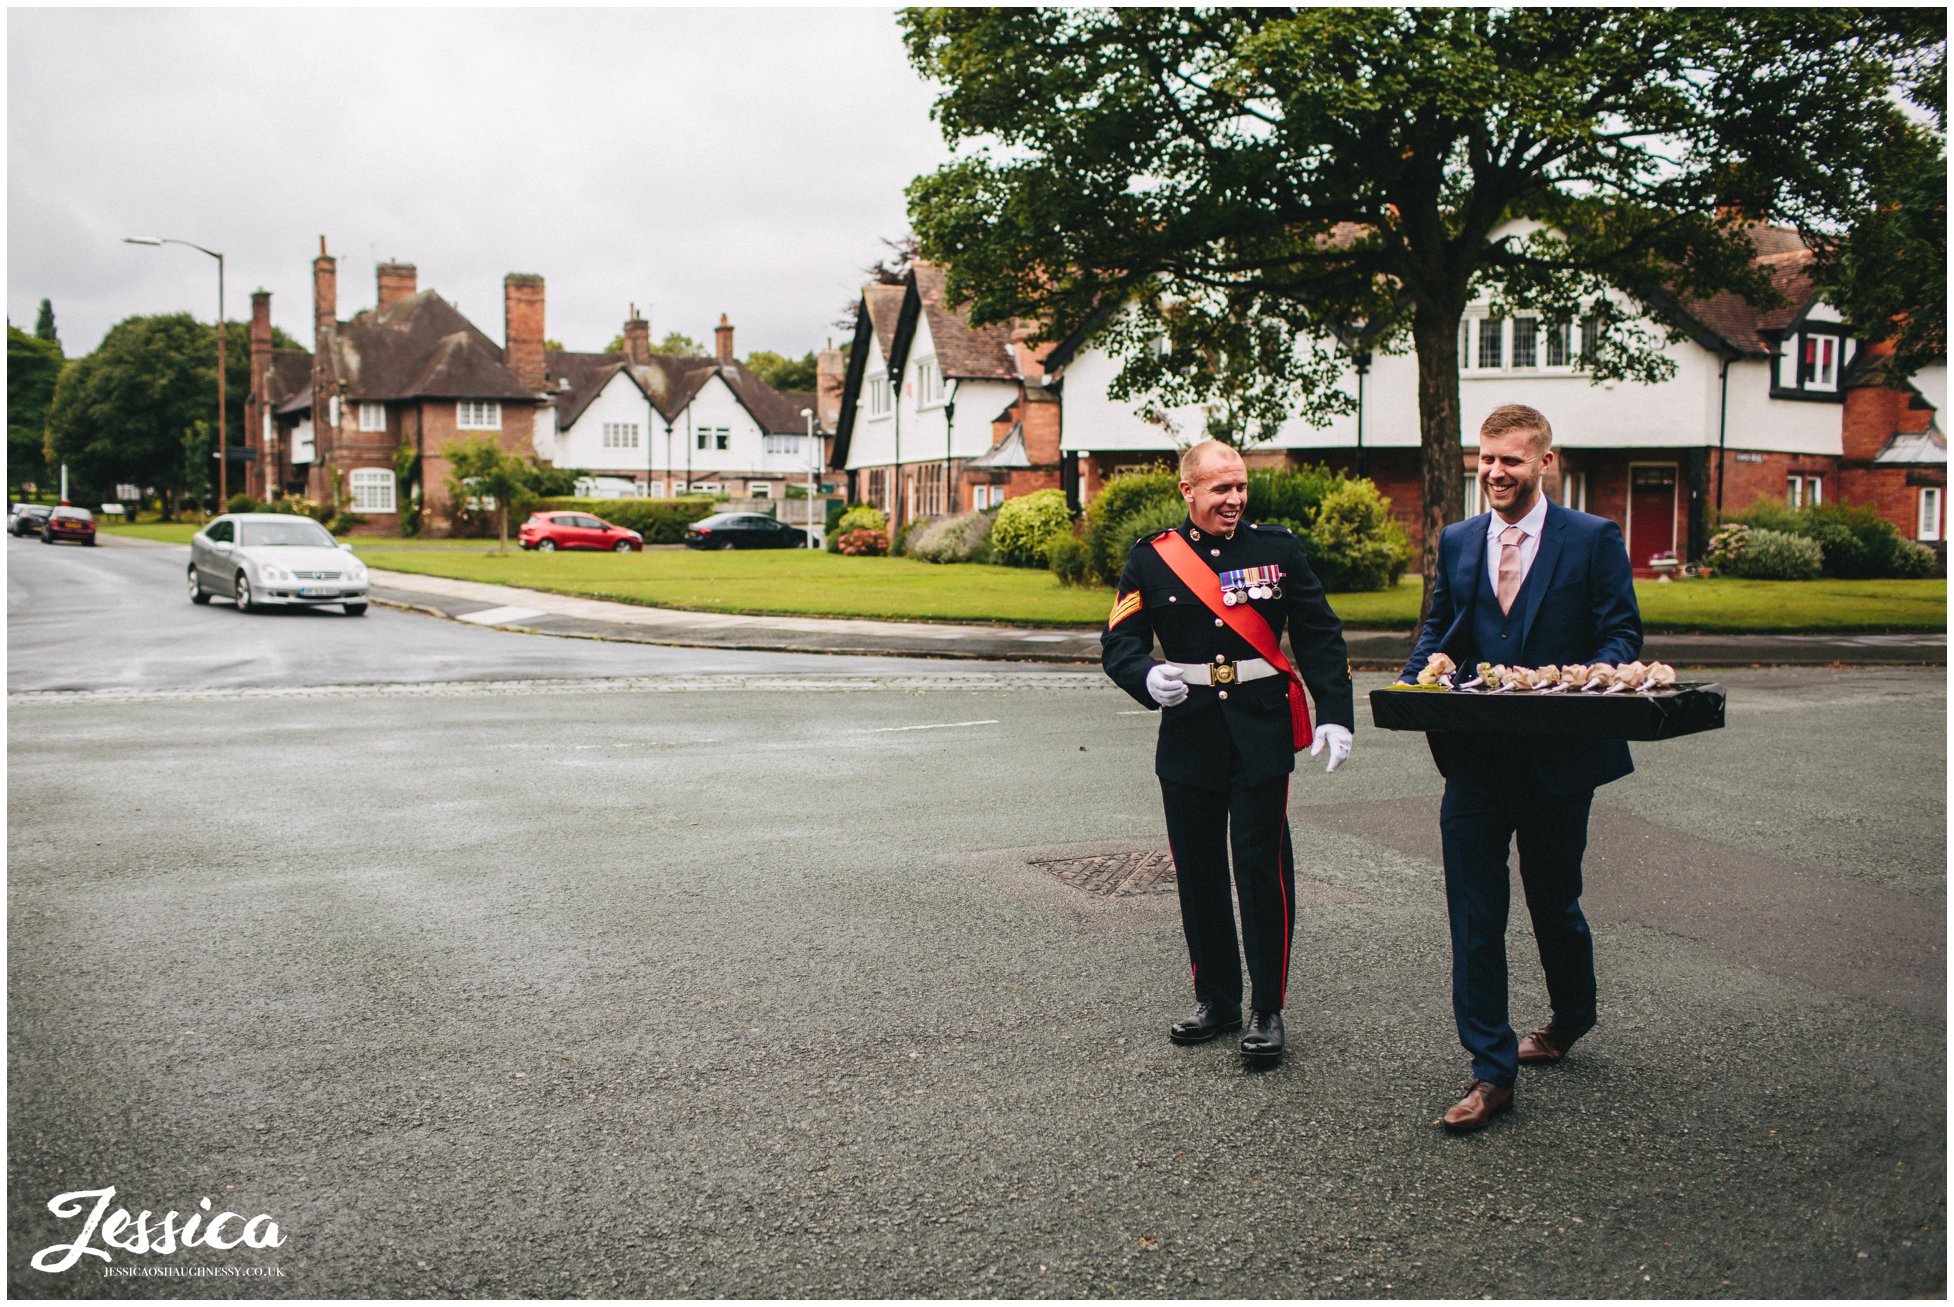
[1242,619]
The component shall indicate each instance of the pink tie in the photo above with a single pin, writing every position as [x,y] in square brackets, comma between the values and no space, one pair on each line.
[1510,572]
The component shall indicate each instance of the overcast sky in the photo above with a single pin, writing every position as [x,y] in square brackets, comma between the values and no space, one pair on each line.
[694,162]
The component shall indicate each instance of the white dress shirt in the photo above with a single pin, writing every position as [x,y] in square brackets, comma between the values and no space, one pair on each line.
[1533,524]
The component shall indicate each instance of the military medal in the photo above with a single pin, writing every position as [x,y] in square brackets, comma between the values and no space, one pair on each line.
[1246,583]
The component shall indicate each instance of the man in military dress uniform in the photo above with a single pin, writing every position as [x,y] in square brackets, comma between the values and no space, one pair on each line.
[1217,592]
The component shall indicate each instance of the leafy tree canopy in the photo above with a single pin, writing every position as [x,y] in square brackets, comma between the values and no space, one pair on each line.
[783,373]
[44,323]
[1230,196]
[481,469]
[123,413]
[33,366]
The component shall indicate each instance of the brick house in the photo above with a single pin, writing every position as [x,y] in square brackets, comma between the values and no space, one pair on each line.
[1777,402]
[411,373]
[936,416]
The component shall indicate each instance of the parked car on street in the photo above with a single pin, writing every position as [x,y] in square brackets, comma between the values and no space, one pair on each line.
[262,560]
[66,522]
[557,529]
[743,531]
[27,518]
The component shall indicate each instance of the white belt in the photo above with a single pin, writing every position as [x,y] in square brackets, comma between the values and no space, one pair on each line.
[1225,673]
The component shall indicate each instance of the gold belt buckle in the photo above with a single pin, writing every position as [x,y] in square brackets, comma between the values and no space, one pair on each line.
[1224,672]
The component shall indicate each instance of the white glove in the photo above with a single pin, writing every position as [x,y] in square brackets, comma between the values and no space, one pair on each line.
[1164,683]
[1338,738]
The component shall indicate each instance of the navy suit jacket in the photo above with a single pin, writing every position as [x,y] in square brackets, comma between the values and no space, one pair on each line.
[1578,606]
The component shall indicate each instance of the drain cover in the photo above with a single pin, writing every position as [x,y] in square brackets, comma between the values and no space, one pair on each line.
[1114,875]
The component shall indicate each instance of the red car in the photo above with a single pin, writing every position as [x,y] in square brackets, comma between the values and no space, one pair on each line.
[69,523]
[561,529]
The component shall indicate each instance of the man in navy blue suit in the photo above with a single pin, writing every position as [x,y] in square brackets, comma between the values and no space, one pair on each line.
[1527,584]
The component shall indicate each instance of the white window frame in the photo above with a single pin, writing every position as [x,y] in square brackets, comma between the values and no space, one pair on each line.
[1574,490]
[373,417]
[929,383]
[1471,498]
[478,414]
[759,490]
[702,487]
[1472,333]
[881,399]
[1927,523]
[620,435]
[371,489]
[777,443]
[1804,490]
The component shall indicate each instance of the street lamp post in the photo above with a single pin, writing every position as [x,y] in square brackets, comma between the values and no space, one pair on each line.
[949,443]
[223,445]
[813,461]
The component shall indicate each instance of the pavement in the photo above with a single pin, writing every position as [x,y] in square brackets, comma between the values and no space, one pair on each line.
[511,608]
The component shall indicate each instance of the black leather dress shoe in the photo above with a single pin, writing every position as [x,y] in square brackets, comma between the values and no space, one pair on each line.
[1262,1042]
[1207,1022]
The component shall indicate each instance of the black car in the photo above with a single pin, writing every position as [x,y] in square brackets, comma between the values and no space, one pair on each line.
[743,531]
[29,518]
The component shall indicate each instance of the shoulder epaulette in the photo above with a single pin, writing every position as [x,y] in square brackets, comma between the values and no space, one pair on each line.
[1275,528]
[1147,540]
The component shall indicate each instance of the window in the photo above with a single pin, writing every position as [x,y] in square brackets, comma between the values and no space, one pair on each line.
[929,384]
[760,489]
[1929,513]
[1804,491]
[929,490]
[1525,335]
[1821,362]
[1492,342]
[372,489]
[373,417]
[783,444]
[878,487]
[1574,491]
[703,487]
[479,415]
[221,531]
[620,435]
[1560,344]
[881,402]
[713,437]
[1471,492]
[983,497]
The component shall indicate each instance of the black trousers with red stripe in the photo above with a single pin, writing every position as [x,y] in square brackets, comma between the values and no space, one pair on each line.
[1203,827]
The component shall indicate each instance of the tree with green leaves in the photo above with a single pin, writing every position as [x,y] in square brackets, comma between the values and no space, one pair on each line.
[123,413]
[676,343]
[478,469]
[44,324]
[1235,199]
[33,367]
[781,372]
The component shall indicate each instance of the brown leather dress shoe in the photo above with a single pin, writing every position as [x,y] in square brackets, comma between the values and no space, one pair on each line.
[1483,1101]
[1551,1042]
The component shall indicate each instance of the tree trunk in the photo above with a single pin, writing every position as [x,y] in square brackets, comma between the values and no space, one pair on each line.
[1435,330]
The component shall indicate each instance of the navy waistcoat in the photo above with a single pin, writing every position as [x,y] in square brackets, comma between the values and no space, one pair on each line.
[1496,635]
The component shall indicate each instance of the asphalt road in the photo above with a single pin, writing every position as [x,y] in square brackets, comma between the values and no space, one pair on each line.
[533,968]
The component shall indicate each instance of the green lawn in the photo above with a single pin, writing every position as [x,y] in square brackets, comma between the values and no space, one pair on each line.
[830,585]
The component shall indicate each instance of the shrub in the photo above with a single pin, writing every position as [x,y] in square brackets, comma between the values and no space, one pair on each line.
[899,538]
[862,542]
[1145,524]
[1913,561]
[1353,544]
[1127,493]
[1769,555]
[1726,545]
[1025,526]
[659,521]
[344,521]
[863,516]
[1066,555]
[1290,495]
[964,538]
[241,502]
[1768,514]
[1858,542]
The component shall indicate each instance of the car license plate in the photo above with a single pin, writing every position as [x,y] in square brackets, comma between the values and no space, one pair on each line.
[316,591]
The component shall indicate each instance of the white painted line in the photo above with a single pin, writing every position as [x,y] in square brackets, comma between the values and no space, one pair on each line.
[497,616]
[939,726]
[1133,712]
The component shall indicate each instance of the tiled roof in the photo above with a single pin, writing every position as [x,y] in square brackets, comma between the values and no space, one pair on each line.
[1006,453]
[1928,446]
[588,374]
[1740,323]
[420,346]
[291,373]
[671,381]
[883,305]
[962,351]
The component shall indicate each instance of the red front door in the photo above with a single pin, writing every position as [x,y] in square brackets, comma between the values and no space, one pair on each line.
[1651,512]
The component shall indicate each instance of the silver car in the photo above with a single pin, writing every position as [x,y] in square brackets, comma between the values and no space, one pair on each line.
[265,559]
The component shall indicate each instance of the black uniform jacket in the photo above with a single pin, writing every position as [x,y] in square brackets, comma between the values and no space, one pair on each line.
[1196,736]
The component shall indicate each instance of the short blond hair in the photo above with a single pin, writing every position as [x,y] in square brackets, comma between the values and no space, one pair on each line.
[1196,454]
[1509,418]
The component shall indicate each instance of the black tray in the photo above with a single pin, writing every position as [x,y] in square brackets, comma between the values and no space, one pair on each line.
[1683,710]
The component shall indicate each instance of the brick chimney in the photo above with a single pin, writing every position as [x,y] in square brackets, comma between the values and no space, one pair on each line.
[522,328]
[722,341]
[830,374]
[261,474]
[397,282]
[325,300]
[637,339]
